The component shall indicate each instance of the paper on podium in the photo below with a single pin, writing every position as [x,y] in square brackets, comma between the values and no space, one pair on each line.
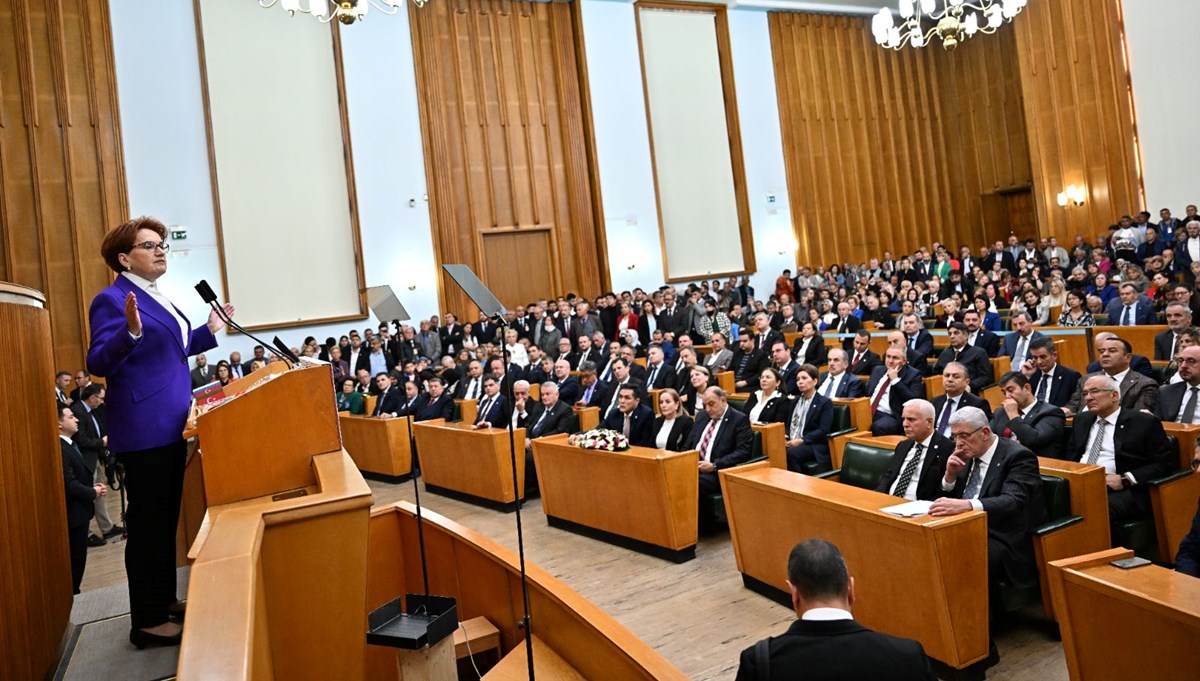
[910,509]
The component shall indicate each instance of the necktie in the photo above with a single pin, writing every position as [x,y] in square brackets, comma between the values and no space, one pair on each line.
[1019,355]
[1174,341]
[653,373]
[706,440]
[842,325]
[1043,387]
[944,422]
[912,342]
[910,469]
[625,428]
[857,359]
[1127,317]
[587,394]
[883,388]
[829,386]
[537,427]
[1094,452]
[957,352]
[473,392]
[484,406]
[762,339]
[1189,412]
[974,480]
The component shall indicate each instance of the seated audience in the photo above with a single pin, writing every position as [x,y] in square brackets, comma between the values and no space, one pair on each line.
[435,403]
[810,346]
[838,382]
[1016,344]
[890,387]
[722,436]
[388,404]
[1038,426]
[768,404]
[975,360]
[1179,320]
[1050,381]
[1075,312]
[978,336]
[1137,392]
[1131,309]
[692,395]
[673,426]
[350,400]
[631,418]
[492,409]
[809,422]
[916,469]
[748,362]
[863,360]
[955,397]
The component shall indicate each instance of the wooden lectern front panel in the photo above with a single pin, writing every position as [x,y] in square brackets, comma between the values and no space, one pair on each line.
[457,457]
[378,445]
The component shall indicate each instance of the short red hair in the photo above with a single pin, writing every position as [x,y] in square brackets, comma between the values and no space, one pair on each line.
[122,238]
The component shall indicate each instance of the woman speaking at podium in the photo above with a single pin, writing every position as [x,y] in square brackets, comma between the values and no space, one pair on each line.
[140,344]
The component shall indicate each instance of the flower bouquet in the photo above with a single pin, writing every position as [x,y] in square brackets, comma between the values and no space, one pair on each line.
[601,438]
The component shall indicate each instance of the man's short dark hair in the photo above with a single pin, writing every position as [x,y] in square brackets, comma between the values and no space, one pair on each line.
[1014,377]
[818,571]
[1126,344]
[61,374]
[1042,343]
[91,391]
[864,333]
[780,341]
[960,326]
[637,392]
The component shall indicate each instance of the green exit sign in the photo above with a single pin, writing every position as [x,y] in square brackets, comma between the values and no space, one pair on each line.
[178,234]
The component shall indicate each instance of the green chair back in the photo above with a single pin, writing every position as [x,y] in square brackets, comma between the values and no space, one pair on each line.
[1056,492]
[863,466]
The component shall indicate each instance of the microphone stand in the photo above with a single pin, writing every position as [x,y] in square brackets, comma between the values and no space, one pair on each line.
[229,320]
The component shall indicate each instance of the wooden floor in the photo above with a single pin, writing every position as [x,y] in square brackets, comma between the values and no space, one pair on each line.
[696,614]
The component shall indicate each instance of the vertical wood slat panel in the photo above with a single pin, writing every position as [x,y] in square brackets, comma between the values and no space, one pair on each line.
[890,151]
[62,183]
[505,140]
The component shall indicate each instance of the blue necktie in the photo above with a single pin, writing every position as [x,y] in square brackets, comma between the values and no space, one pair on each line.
[1127,318]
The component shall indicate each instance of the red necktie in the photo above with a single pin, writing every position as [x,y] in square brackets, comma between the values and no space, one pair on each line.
[887,381]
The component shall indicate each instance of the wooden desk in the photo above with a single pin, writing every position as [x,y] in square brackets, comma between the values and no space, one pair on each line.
[1125,624]
[589,417]
[937,594]
[590,492]
[1175,503]
[380,447]
[484,578]
[457,460]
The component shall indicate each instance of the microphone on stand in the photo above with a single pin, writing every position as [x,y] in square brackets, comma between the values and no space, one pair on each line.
[210,297]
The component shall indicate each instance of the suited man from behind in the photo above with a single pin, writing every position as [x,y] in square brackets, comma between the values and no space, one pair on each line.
[838,382]
[1131,309]
[892,385]
[92,440]
[916,470]
[955,397]
[1179,319]
[999,477]
[1050,381]
[1038,426]
[493,408]
[1130,445]
[825,643]
[1178,402]
[979,337]
[721,436]
[631,418]
[81,494]
[863,360]
[976,361]
[203,374]
[1137,391]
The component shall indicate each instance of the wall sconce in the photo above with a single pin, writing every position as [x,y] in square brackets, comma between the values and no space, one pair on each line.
[1072,195]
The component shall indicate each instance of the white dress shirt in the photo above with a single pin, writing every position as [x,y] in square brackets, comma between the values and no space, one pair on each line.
[1108,449]
[826,615]
[664,433]
[762,402]
[982,464]
[151,288]
[885,405]
[707,456]
[910,492]
[831,385]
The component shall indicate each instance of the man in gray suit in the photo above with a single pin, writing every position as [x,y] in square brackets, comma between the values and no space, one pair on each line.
[1138,392]
[1039,426]
[721,355]
[203,374]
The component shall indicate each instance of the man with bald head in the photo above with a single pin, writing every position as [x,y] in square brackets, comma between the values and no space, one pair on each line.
[916,469]
[892,385]
[722,437]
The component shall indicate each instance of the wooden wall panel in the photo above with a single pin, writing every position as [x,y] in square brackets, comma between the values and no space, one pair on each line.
[62,181]
[505,141]
[891,150]
[1079,107]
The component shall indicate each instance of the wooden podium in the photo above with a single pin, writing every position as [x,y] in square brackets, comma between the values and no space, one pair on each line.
[278,583]
[474,465]
[380,447]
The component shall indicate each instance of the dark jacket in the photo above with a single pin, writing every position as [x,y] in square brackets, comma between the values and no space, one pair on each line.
[733,441]
[641,425]
[680,430]
[1042,430]
[77,480]
[1140,444]
[929,477]
[837,651]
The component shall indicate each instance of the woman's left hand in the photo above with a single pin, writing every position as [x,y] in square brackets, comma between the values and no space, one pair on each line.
[215,323]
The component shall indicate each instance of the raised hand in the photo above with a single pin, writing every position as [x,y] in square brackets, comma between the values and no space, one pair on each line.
[215,323]
[133,319]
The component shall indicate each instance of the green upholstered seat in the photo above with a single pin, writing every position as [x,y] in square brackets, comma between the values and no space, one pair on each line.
[863,465]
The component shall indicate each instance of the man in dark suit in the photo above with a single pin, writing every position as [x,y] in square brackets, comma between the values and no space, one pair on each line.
[1001,255]
[435,404]
[978,364]
[659,374]
[1038,426]
[845,323]
[1016,344]
[1131,446]
[1179,319]
[470,387]
[492,406]
[547,417]
[1131,309]
[451,335]
[955,397]
[1137,391]
[979,337]
[568,386]
[631,418]
[81,494]
[1180,402]
[203,374]
[829,645]
[411,400]
[1000,477]
[1139,363]
[862,360]
[621,378]
[673,318]
[838,382]
[781,359]
[890,387]
[390,400]
[722,436]
[916,469]
[587,352]
[1050,381]
[762,334]
[915,336]
[592,390]
[92,441]
[748,363]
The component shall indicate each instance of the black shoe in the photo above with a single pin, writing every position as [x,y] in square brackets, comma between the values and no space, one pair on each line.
[116,529]
[176,610]
[144,639]
[94,541]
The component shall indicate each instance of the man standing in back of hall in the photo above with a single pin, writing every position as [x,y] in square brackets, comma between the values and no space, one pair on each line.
[826,642]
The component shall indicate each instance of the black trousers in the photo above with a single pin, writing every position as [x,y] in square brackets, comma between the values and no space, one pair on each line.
[77,542]
[154,489]
[1126,505]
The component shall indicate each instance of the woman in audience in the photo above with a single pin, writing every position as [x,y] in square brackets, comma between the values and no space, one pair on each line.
[349,399]
[1102,290]
[699,378]
[627,321]
[768,404]
[1102,262]
[1132,274]
[223,373]
[1057,295]
[647,323]
[942,268]
[1074,311]
[990,319]
[1029,301]
[1159,291]
[810,346]
[344,344]
[813,441]
[673,425]
[835,276]
[516,352]
[469,342]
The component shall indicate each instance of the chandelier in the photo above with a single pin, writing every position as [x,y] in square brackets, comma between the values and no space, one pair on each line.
[957,21]
[345,11]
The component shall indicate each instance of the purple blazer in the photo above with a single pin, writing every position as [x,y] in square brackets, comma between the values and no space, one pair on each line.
[148,383]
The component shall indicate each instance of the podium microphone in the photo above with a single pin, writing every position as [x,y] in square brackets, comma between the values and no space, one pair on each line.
[209,296]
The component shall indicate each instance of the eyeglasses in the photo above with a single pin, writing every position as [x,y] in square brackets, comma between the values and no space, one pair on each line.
[963,436]
[1094,391]
[151,246]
